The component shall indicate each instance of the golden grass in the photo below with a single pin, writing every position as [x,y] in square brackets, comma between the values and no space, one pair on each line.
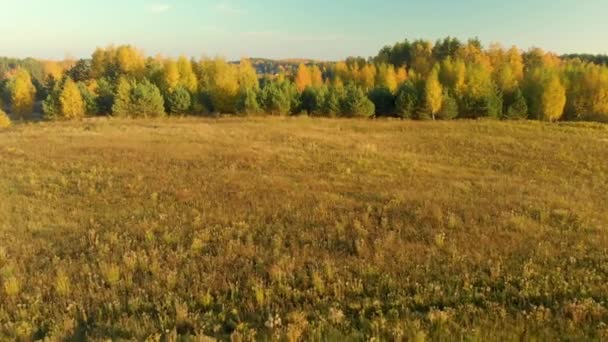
[299,228]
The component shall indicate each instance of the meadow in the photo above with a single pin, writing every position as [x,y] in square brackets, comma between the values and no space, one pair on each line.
[303,229]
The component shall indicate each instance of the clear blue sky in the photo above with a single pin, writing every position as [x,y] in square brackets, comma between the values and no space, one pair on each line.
[321,29]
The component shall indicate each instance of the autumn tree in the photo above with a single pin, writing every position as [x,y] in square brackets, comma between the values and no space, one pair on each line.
[472,53]
[137,99]
[422,60]
[113,61]
[316,76]
[247,76]
[341,72]
[22,93]
[516,62]
[130,61]
[367,76]
[71,102]
[433,93]
[386,77]
[187,77]
[545,93]
[480,96]
[586,91]
[53,70]
[536,59]
[101,61]
[401,74]
[452,75]
[171,76]
[303,77]
[553,99]
[220,80]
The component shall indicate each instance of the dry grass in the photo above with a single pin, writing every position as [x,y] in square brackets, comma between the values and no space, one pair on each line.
[269,228]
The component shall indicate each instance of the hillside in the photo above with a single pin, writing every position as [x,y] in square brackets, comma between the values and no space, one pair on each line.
[259,228]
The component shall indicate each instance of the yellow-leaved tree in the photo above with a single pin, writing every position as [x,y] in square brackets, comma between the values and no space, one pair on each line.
[303,78]
[220,80]
[401,75]
[422,57]
[71,102]
[247,77]
[130,61]
[187,77]
[23,93]
[341,71]
[386,77]
[52,70]
[433,93]
[453,75]
[553,99]
[516,61]
[100,61]
[316,75]
[367,76]
[171,75]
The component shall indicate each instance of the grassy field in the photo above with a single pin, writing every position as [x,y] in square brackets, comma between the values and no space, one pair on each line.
[303,229]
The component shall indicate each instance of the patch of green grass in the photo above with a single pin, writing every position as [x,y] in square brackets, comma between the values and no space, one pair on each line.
[313,229]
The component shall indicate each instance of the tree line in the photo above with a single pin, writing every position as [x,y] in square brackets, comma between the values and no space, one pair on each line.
[412,79]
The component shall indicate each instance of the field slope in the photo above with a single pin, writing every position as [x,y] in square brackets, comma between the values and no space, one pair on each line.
[270,228]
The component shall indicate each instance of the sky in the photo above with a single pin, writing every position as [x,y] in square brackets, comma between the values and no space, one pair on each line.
[318,29]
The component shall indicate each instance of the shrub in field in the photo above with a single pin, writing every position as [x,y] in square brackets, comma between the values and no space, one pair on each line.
[138,99]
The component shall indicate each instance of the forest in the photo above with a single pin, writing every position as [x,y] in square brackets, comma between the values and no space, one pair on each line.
[416,79]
